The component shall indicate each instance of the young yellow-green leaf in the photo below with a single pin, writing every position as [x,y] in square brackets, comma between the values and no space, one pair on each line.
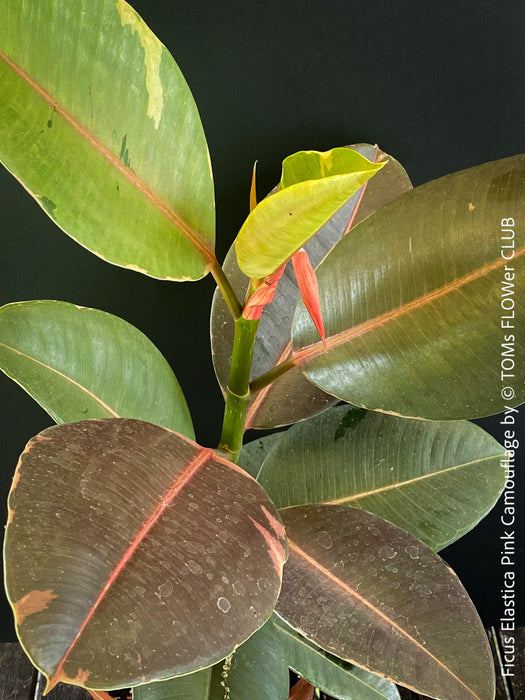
[292,397]
[383,601]
[422,299]
[99,125]
[80,363]
[417,474]
[282,223]
[144,557]
[330,674]
[316,165]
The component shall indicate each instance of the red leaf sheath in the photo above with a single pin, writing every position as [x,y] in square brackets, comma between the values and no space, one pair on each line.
[309,288]
[262,296]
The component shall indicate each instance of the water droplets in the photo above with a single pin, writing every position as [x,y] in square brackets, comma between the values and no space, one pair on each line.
[194,567]
[413,551]
[238,587]
[263,584]
[325,540]
[386,553]
[223,604]
[164,590]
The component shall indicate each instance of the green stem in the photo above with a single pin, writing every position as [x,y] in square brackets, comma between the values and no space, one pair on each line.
[268,377]
[238,391]
[226,289]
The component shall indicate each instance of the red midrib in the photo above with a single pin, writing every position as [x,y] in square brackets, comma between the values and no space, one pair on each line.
[312,351]
[202,245]
[366,603]
[166,500]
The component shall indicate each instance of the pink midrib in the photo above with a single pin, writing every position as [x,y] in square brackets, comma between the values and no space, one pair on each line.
[200,244]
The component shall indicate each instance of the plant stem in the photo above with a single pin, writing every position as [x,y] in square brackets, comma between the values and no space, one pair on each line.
[238,391]
[226,289]
[269,377]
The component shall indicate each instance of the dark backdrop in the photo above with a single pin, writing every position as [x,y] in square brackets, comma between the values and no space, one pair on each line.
[440,86]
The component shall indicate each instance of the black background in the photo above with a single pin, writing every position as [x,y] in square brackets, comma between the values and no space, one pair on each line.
[440,86]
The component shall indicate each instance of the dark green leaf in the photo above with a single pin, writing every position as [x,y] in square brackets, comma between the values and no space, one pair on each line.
[253,453]
[332,675]
[82,363]
[417,474]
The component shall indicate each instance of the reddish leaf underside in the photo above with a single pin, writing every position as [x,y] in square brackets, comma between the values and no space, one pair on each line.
[140,536]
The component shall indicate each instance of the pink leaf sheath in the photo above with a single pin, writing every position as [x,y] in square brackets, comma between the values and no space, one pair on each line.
[309,288]
[262,296]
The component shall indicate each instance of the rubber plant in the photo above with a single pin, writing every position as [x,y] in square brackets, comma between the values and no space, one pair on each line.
[362,311]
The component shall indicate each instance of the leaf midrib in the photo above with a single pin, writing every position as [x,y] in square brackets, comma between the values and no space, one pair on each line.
[203,456]
[66,377]
[348,589]
[193,236]
[311,352]
[400,484]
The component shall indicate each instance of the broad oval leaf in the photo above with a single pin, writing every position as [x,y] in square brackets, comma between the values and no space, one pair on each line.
[145,556]
[282,223]
[80,363]
[372,594]
[412,301]
[242,676]
[292,397]
[107,138]
[417,474]
[330,674]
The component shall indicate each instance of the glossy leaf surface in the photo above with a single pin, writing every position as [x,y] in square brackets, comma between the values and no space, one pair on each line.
[417,474]
[80,363]
[256,670]
[282,223]
[372,594]
[411,301]
[193,686]
[144,545]
[107,139]
[327,672]
[253,453]
[292,397]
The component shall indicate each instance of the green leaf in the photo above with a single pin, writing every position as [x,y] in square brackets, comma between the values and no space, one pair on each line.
[282,223]
[243,676]
[411,301]
[80,363]
[145,556]
[332,675]
[417,474]
[292,397]
[253,453]
[108,138]
[194,686]
[257,669]
[374,595]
